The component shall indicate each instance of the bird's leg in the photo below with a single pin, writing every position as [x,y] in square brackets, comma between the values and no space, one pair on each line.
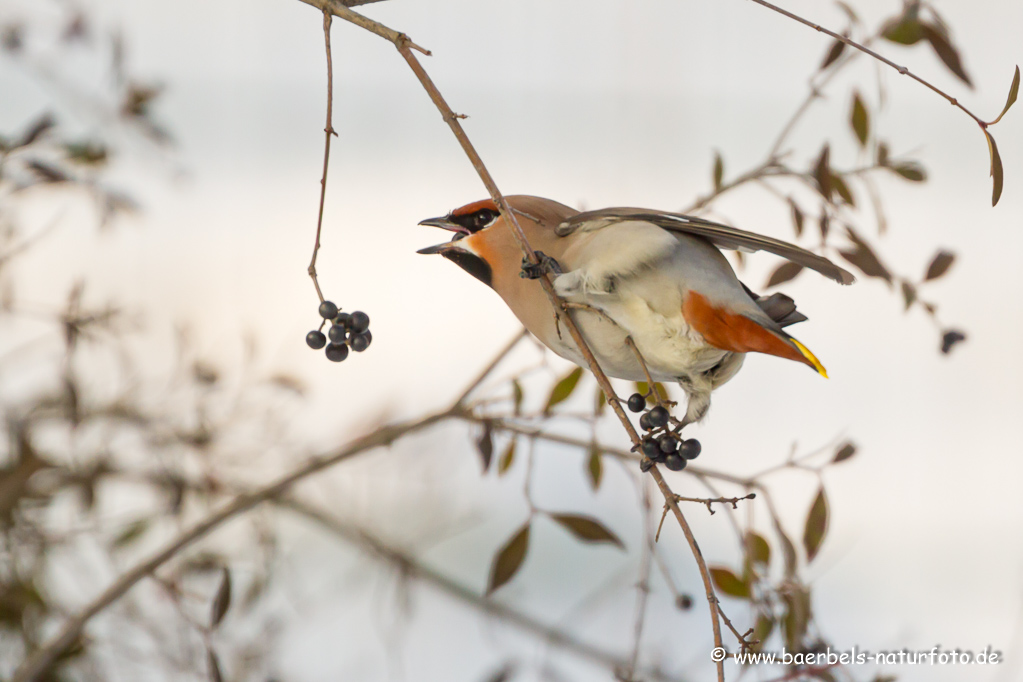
[546,265]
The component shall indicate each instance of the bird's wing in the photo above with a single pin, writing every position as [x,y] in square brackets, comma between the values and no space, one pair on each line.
[722,236]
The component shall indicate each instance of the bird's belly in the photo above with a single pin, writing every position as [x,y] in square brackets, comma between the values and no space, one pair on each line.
[669,347]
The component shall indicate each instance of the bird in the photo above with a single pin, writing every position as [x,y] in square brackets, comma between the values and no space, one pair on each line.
[656,277]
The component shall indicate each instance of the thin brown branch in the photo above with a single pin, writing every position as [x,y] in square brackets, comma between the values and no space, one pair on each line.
[40,661]
[329,130]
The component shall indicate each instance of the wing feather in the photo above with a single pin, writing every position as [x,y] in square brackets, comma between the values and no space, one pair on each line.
[722,236]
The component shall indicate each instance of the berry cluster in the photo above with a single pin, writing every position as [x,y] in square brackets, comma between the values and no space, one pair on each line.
[347,330]
[660,444]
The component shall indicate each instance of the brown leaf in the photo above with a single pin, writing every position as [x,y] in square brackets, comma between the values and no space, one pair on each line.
[996,169]
[1013,94]
[563,389]
[797,217]
[859,119]
[908,294]
[910,170]
[845,452]
[587,529]
[797,616]
[517,396]
[824,222]
[946,52]
[838,183]
[485,444]
[507,458]
[785,272]
[816,525]
[728,583]
[222,599]
[762,629]
[950,339]
[822,173]
[834,52]
[757,549]
[719,171]
[132,532]
[864,258]
[882,154]
[600,403]
[509,559]
[595,467]
[940,265]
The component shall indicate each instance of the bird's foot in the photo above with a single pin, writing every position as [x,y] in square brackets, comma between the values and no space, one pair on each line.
[546,265]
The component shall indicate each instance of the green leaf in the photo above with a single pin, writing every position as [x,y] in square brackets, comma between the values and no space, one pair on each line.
[906,30]
[1013,94]
[783,273]
[797,217]
[600,404]
[131,533]
[939,265]
[517,396]
[996,169]
[762,629]
[643,388]
[797,616]
[946,52]
[859,119]
[816,525]
[842,189]
[728,583]
[757,548]
[485,445]
[587,529]
[86,153]
[908,294]
[595,467]
[563,389]
[910,170]
[882,154]
[822,172]
[834,52]
[509,559]
[719,171]
[845,452]
[222,599]
[507,458]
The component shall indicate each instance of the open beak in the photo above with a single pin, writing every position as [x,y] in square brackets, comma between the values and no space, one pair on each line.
[445,224]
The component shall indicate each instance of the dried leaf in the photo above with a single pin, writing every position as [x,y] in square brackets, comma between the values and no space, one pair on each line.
[822,173]
[587,529]
[509,559]
[1013,94]
[996,169]
[824,223]
[910,170]
[816,525]
[950,339]
[563,389]
[882,154]
[719,171]
[517,396]
[222,599]
[595,467]
[797,616]
[946,52]
[785,272]
[908,294]
[859,119]
[757,549]
[485,444]
[600,403]
[864,258]
[940,265]
[728,583]
[834,52]
[507,458]
[843,189]
[845,452]
[797,217]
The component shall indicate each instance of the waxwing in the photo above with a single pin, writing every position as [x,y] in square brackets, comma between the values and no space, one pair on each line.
[657,277]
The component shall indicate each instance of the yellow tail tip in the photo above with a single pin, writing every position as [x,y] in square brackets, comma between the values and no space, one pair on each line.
[811,357]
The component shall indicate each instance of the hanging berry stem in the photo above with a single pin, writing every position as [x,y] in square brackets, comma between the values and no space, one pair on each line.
[329,130]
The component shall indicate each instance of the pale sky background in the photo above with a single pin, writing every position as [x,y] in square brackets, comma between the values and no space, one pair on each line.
[597,104]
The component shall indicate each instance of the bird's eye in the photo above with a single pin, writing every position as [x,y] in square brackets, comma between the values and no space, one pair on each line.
[484,218]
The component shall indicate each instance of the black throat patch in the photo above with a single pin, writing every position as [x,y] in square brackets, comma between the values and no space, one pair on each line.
[471,263]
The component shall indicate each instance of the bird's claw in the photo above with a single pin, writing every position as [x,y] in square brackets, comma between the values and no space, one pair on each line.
[546,265]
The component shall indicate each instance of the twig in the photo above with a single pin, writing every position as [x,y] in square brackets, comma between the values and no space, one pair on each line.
[41,660]
[329,130]
[741,637]
[734,501]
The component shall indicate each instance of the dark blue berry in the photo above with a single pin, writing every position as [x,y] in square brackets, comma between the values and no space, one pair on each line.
[658,416]
[637,402]
[359,322]
[675,462]
[690,449]
[343,319]
[328,310]
[651,449]
[360,342]
[337,333]
[336,352]
[668,443]
[644,422]
[315,340]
